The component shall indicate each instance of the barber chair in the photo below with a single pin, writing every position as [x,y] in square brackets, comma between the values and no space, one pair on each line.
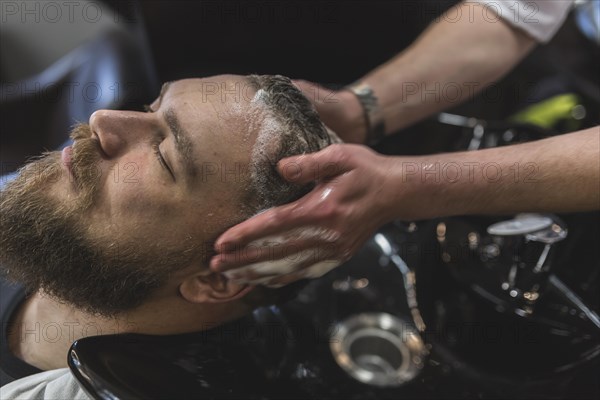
[111,70]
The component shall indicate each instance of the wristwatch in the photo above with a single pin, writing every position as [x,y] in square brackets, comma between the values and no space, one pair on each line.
[372,111]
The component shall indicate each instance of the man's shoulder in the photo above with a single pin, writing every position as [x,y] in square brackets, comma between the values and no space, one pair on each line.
[53,384]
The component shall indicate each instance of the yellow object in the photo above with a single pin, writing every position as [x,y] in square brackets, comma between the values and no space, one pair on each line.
[549,113]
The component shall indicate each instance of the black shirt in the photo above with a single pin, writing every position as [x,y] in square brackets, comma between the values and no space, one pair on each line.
[11,367]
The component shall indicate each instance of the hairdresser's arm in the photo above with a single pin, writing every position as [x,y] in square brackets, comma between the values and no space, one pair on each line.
[366,190]
[453,59]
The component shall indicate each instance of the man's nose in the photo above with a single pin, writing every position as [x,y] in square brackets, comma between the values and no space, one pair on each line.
[118,131]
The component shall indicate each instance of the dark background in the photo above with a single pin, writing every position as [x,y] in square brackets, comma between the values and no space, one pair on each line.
[335,43]
[325,41]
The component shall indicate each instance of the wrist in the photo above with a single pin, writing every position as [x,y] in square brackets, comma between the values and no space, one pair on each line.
[371,110]
[356,127]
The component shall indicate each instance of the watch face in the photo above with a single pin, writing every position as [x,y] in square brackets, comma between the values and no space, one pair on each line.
[521,225]
[361,89]
[364,90]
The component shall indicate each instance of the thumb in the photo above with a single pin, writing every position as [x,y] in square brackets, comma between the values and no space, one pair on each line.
[304,86]
[312,91]
[312,167]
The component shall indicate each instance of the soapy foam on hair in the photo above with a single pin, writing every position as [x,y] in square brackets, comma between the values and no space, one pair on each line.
[284,123]
[281,268]
[302,233]
[270,132]
[270,129]
[291,262]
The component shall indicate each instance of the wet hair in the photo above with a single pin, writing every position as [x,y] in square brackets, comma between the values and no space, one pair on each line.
[289,126]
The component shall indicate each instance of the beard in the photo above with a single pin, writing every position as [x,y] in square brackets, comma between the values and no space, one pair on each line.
[45,244]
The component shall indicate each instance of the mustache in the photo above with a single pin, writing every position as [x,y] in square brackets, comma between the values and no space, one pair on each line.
[85,156]
[81,131]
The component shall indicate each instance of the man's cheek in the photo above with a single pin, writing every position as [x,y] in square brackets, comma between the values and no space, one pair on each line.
[131,171]
[218,171]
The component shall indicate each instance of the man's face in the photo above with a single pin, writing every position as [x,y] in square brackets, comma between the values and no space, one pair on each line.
[173,174]
[148,188]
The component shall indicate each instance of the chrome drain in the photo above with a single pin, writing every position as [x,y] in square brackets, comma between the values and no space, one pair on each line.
[378,349]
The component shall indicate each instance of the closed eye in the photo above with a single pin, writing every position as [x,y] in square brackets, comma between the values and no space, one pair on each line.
[156,148]
[161,159]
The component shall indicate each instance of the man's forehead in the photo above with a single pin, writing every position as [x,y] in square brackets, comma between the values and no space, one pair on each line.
[215,111]
[222,87]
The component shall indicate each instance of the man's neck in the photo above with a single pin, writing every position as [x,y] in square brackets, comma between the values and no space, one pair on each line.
[43,329]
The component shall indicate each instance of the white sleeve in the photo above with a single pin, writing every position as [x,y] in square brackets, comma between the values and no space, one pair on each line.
[53,384]
[541,19]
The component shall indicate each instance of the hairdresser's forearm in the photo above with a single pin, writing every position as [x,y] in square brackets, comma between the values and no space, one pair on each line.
[560,174]
[447,64]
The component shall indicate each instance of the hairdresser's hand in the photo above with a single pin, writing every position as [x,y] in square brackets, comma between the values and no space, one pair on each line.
[321,230]
[339,110]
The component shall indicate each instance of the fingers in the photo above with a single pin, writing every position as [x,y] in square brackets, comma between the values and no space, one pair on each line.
[262,225]
[312,272]
[287,247]
[327,163]
[324,164]
[273,275]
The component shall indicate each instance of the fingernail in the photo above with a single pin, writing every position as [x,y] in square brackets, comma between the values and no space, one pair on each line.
[225,247]
[290,171]
[294,173]
[214,264]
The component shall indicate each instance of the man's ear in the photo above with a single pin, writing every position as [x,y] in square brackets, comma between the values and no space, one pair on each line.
[212,287]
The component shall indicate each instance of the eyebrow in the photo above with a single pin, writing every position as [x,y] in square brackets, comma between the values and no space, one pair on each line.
[183,144]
